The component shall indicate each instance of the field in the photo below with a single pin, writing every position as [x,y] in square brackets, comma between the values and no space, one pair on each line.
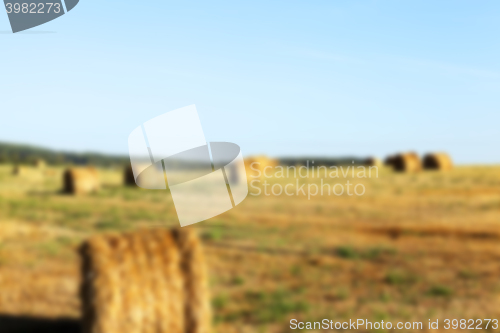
[414,247]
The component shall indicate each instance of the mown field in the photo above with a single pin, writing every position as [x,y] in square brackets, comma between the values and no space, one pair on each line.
[414,247]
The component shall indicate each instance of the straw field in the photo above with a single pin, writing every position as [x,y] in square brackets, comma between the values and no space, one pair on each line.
[415,246]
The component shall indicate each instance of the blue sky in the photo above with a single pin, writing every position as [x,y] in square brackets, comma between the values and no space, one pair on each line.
[281,78]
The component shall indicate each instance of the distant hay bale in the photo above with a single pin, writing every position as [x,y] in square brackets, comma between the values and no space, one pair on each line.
[389,161]
[259,163]
[437,161]
[80,180]
[146,281]
[19,170]
[407,162]
[39,163]
[373,161]
[149,176]
[128,176]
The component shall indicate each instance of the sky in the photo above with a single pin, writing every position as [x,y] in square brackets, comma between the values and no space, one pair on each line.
[282,78]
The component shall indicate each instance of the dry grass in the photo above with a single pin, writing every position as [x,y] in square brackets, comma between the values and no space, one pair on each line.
[414,247]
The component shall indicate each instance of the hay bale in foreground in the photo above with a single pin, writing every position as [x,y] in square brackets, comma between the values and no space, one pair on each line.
[128,176]
[407,162]
[80,180]
[197,305]
[147,281]
[438,161]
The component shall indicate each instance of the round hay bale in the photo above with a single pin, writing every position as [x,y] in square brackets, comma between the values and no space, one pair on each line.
[197,305]
[19,170]
[389,161]
[437,161]
[373,161]
[259,163]
[39,163]
[407,162]
[146,281]
[128,176]
[80,180]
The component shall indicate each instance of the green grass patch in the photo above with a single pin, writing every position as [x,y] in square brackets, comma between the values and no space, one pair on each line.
[348,252]
[238,281]
[274,306]
[219,302]
[110,224]
[398,277]
[213,234]
[440,291]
